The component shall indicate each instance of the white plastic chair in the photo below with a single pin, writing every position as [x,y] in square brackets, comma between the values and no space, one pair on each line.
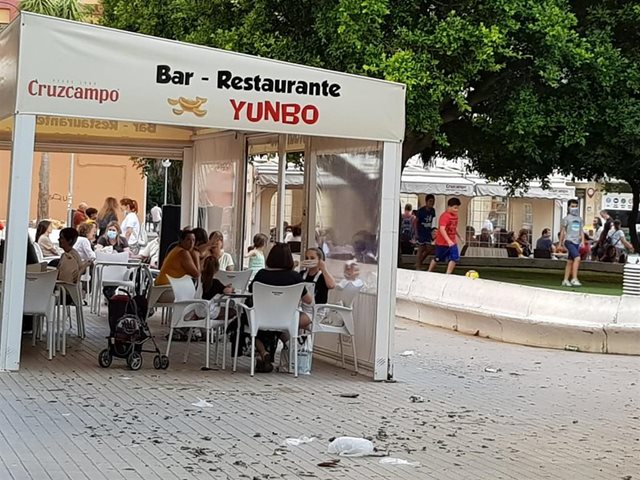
[239,281]
[345,296]
[185,303]
[39,301]
[40,254]
[275,309]
[155,292]
[112,270]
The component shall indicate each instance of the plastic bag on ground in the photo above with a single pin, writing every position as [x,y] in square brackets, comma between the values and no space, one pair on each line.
[398,461]
[351,447]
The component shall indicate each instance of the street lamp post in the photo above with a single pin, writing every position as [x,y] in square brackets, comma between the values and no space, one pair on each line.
[166,163]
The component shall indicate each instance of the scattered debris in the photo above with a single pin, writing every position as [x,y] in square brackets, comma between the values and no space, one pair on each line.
[408,353]
[492,370]
[349,395]
[351,447]
[294,442]
[516,374]
[202,404]
[382,435]
[330,464]
[398,461]
[572,348]
[416,399]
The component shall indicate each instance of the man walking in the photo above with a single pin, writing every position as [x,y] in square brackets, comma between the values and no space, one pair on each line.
[156,216]
[446,246]
[572,236]
[423,223]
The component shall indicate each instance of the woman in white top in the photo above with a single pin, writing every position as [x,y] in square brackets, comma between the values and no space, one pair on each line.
[618,239]
[216,242]
[130,226]
[84,243]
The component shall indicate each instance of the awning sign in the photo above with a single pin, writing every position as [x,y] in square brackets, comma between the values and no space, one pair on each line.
[80,70]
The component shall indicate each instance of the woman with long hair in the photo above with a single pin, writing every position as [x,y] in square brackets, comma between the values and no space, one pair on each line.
[45,227]
[130,226]
[107,214]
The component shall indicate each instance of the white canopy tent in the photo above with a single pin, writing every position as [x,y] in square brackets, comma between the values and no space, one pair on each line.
[52,68]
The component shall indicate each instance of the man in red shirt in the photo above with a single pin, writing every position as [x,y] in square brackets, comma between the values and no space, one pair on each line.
[79,216]
[446,247]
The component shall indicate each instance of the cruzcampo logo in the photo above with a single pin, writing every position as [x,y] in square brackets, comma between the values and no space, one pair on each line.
[183,104]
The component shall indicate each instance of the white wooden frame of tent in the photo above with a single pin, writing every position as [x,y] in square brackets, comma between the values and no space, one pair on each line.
[53,67]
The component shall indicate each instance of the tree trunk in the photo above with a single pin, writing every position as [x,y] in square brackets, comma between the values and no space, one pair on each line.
[633,216]
[43,188]
[415,145]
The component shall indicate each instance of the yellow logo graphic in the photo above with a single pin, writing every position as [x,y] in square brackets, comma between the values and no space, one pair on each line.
[183,105]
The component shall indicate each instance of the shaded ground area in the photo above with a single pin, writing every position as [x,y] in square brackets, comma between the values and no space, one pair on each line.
[487,411]
[592,282]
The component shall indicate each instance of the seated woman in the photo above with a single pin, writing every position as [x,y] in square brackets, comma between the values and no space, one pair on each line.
[513,243]
[182,260]
[43,231]
[113,238]
[84,244]
[278,272]
[216,246]
[316,272]
[523,241]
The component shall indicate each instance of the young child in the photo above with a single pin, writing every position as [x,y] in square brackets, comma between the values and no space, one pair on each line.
[256,253]
[351,275]
[446,247]
[315,271]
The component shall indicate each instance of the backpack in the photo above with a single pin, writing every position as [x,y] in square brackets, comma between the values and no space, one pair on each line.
[406,229]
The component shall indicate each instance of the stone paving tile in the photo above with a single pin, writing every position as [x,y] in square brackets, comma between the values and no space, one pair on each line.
[490,411]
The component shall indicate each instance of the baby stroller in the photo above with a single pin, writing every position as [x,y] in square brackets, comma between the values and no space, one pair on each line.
[128,333]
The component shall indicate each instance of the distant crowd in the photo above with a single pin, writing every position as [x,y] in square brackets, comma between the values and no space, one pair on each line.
[422,236]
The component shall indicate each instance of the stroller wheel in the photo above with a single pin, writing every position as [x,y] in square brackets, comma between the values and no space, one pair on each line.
[156,362]
[105,358]
[134,361]
[164,362]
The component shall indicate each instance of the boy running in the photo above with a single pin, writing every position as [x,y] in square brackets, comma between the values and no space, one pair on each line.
[572,236]
[423,223]
[446,247]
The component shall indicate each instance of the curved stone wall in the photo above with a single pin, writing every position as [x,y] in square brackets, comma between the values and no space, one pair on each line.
[519,314]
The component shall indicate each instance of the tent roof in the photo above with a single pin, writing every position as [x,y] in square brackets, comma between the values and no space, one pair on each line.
[55,67]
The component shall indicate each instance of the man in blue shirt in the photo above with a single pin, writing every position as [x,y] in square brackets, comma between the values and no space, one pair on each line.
[423,225]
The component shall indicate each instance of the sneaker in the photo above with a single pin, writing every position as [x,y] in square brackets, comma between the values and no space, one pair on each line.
[575,283]
[566,283]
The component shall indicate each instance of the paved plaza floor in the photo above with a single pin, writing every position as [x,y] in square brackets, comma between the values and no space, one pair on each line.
[490,411]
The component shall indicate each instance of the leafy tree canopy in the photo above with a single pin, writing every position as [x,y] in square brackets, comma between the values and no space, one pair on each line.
[455,57]
[521,87]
